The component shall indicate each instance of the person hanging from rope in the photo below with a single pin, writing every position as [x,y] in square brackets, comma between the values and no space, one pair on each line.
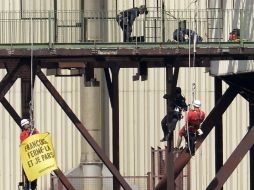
[27,130]
[178,106]
[191,128]
[125,20]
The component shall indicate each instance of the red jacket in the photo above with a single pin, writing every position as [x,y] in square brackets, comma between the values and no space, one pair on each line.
[26,133]
[194,118]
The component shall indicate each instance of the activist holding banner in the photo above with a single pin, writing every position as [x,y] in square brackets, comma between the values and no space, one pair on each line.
[37,154]
[25,133]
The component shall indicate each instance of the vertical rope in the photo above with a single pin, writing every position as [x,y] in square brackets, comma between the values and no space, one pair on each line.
[31,106]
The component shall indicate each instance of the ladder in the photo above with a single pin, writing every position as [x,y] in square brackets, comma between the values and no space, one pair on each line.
[153,22]
[214,25]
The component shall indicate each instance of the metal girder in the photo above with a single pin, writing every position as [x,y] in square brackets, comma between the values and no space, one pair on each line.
[170,142]
[109,84]
[11,111]
[207,126]
[218,128]
[82,129]
[232,162]
[115,121]
[8,80]
[5,85]
[251,152]
[64,179]
[126,57]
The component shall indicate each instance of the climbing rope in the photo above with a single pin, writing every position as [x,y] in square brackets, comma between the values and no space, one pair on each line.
[193,90]
[31,104]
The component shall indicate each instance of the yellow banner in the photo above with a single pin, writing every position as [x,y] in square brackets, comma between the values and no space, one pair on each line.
[38,155]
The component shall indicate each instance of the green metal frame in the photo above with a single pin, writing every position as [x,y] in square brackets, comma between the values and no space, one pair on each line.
[128,45]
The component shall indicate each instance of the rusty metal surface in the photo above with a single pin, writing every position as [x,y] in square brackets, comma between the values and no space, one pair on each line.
[82,129]
[232,161]
[170,89]
[115,121]
[125,57]
[218,128]
[64,179]
[8,80]
[5,84]
[207,126]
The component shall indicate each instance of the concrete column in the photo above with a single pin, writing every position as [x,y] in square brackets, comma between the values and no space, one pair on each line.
[91,116]
[95,27]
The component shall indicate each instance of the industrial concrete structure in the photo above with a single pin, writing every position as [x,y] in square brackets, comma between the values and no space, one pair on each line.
[68,38]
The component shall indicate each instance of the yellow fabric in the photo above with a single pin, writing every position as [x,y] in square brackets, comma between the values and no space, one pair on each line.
[37,155]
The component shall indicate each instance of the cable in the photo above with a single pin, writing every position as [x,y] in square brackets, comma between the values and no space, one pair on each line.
[31,106]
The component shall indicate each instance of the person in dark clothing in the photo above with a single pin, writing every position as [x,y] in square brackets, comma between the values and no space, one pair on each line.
[178,106]
[184,35]
[126,18]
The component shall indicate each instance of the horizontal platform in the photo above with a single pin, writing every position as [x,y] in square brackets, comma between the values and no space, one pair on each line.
[231,67]
[103,55]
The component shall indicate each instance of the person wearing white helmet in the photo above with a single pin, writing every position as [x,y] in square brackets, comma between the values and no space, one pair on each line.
[192,125]
[25,133]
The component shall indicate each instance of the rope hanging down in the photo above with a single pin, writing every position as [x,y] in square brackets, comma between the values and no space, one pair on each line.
[193,90]
[31,104]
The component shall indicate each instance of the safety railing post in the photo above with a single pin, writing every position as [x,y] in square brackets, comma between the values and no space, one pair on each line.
[82,31]
[50,29]
[241,27]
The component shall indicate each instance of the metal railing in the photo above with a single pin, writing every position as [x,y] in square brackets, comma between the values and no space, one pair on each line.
[158,165]
[101,27]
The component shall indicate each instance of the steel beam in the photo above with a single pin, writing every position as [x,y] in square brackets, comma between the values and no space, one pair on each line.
[233,161]
[5,84]
[8,80]
[82,129]
[64,179]
[251,152]
[208,124]
[170,143]
[115,121]
[109,85]
[11,111]
[218,129]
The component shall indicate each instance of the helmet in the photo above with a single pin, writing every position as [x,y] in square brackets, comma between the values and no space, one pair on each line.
[196,103]
[178,90]
[143,9]
[24,122]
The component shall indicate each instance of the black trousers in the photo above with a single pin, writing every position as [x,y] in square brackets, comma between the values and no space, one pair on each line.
[30,185]
[171,127]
